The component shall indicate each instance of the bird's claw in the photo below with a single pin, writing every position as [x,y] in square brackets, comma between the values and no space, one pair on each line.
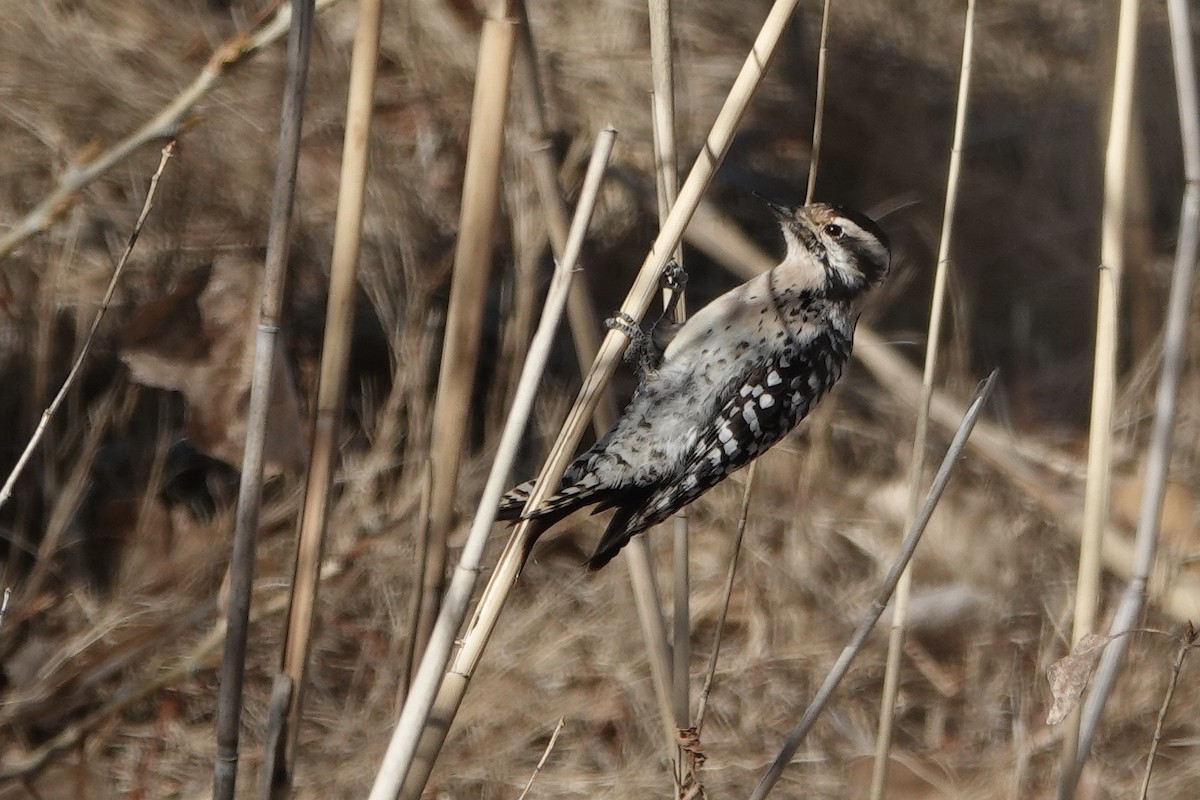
[625,324]
[640,353]
[675,277]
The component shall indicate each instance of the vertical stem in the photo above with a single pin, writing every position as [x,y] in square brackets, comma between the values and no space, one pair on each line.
[468,290]
[1158,452]
[819,108]
[1099,466]
[662,103]
[331,388]
[891,680]
[423,722]
[241,568]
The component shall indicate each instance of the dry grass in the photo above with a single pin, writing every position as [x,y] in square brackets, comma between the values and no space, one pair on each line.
[996,575]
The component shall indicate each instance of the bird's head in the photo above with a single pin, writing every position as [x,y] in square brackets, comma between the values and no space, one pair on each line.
[849,246]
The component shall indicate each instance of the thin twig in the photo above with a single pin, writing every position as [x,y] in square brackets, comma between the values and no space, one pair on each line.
[1158,452]
[241,566]
[1188,641]
[166,124]
[545,755]
[331,388]
[40,431]
[415,716]
[719,633]
[907,548]
[819,108]
[1099,463]
[891,679]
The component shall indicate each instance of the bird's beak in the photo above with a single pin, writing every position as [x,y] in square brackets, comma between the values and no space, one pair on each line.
[783,212]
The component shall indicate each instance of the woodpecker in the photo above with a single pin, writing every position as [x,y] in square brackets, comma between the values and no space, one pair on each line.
[731,381]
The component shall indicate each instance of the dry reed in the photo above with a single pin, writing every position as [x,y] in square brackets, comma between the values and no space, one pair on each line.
[916,474]
[266,347]
[468,290]
[1104,370]
[278,771]
[402,752]
[1158,452]
[907,548]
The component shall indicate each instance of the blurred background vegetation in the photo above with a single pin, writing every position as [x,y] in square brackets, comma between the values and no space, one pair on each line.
[123,519]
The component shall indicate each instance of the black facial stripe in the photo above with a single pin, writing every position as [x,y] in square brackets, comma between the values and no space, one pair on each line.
[866,223]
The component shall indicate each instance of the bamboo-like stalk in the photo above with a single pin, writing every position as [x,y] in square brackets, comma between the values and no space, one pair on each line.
[241,567]
[1104,370]
[468,290]
[331,388]
[907,548]
[1158,452]
[418,706]
[891,679]
[636,302]
[47,415]
[581,316]
[581,313]
[662,111]
[166,124]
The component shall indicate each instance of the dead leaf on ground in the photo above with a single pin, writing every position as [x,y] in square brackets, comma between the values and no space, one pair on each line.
[1069,675]
[199,340]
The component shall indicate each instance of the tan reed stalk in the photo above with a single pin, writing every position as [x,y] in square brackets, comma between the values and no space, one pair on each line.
[47,415]
[419,705]
[581,315]
[666,170]
[638,300]
[907,548]
[468,290]
[166,124]
[818,107]
[331,388]
[1104,370]
[1158,452]
[581,312]
[891,679]
[1188,641]
[245,534]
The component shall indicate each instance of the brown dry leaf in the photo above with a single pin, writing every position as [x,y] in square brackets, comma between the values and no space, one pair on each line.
[1070,674]
[199,340]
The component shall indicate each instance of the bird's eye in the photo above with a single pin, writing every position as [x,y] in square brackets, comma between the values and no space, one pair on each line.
[834,230]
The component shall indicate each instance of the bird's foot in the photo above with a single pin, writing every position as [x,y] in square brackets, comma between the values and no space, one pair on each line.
[640,354]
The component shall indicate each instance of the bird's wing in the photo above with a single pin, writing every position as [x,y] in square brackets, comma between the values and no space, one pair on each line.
[762,405]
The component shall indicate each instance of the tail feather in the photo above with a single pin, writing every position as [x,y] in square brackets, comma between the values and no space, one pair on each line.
[565,501]
[617,534]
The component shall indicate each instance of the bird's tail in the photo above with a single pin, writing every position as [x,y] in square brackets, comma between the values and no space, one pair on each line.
[557,506]
[616,535]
